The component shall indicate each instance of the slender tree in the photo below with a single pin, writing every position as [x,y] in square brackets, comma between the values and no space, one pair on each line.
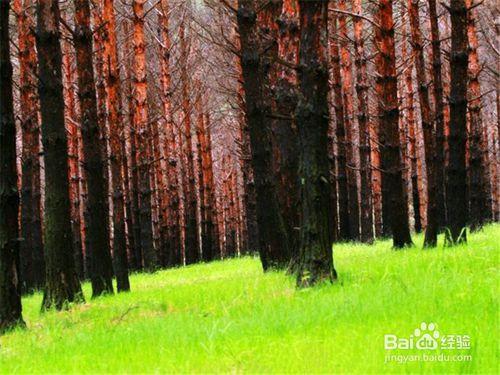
[456,180]
[31,248]
[386,86]
[141,127]
[10,298]
[432,227]
[117,144]
[62,284]
[101,271]
[316,229]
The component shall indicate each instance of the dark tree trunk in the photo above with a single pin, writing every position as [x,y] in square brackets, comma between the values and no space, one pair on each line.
[456,178]
[101,268]
[316,228]
[340,133]
[439,107]
[10,298]
[480,197]
[394,199]
[274,247]
[62,284]
[431,230]
[31,250]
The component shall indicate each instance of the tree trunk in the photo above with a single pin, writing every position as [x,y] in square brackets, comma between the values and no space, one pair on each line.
[386,87]
[274,247]
[343,201]
[456,180]
[62,284]
[117,144]
[352,152]
[142,131]
[101,271]
[316,229]
[364,126]
[32,266]
[480,197]
[439,111]
[74,136]
[191,239]
[10,298]
[431,229]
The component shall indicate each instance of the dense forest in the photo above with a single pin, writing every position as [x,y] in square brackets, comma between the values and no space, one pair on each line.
[137,135]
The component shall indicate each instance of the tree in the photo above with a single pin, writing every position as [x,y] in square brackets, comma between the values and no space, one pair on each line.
[316,229]
[117,144]
[10,298]
[364,122]
[431,230]
[141,127]
[101,271]
[480,195]
[456,180]
[273,241]
[31,248]
[62,284]
[387,91]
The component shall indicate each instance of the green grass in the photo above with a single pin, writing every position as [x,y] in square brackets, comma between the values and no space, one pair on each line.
[230,317]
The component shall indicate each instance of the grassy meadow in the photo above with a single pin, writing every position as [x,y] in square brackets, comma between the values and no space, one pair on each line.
[230,317]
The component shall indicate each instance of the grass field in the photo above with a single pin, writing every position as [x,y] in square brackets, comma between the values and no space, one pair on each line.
[230,317]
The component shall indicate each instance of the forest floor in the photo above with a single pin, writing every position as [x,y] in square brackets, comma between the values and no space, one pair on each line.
[230,317]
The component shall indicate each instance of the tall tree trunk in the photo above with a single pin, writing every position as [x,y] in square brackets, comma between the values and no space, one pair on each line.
[340,133]
[316,229]
[480,197]
[10,298]
[364,126]
[431,229]
[387,90]
[142,127]
[274,247]
[31,248]
[117,144]
[456,180]
[285,129]
[439,111]
[74,146]
[101,271]
[191,238]
[62,284]
[137,256]
[352,152]
[173,219]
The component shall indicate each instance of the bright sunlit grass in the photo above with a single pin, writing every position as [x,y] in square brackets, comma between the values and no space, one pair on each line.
[230,317]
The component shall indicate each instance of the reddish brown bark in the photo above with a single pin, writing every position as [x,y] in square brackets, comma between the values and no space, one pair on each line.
[142,132]
[364,120]
[74,146]
[352,151]
[117,144]
[387,91]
